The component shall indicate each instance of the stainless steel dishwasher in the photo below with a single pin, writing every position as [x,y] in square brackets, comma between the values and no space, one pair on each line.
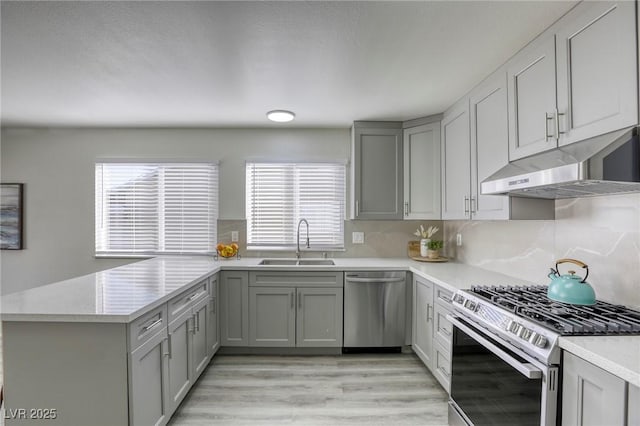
[374,309]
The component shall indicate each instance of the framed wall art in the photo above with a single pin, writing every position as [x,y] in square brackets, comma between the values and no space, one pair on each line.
[11,216]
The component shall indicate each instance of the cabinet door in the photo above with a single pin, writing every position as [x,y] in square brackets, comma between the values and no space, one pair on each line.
[531,76]
[422,172]
[597,70]
[456,162]
[633,415]
[234,308]
[213,332]
[180,358]
[590,395]
[319,317]
[489,144]
[377,179]
[272,318]
[148,374]
[423,321]
[201,312]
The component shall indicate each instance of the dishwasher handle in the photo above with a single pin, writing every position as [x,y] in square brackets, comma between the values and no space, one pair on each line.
[375,280]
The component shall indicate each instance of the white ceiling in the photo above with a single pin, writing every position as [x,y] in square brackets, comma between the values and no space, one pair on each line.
[211,64]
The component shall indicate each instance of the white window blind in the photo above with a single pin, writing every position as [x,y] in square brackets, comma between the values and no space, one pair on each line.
[156,208]
[280,194]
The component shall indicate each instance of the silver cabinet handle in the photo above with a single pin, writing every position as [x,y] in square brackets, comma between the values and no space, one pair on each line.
[293,303]
[299,300]
[445,332]
[428,308]
[444,372]
[167,353]
[192,320]
[547,117]
[466,205]
[473,204]
[170,346]
[357,208]
[152,325]
[197,317]
[406,208]
[558,132]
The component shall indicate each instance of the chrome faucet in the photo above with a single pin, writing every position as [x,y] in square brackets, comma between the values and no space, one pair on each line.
[298,237]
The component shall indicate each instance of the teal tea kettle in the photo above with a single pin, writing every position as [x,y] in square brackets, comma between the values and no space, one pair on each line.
[571,288]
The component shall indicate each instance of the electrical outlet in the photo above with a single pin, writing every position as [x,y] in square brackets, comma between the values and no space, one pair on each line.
[234,236]
[459,240]
[357,237]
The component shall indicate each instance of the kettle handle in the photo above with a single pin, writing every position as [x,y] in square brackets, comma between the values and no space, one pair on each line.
[575,262]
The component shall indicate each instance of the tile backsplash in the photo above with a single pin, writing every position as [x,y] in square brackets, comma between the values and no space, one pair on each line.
[382,238]
[603,232]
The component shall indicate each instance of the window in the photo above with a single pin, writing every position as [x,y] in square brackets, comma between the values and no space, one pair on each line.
[280,194]
[156,208]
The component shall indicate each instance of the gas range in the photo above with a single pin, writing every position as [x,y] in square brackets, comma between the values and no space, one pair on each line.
[527,319]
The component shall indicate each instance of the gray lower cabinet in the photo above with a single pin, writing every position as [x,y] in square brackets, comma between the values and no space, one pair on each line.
[180,358]
[591,395]
[273,316]
[149,390]
[295,309]
[432,332]
[201,313]
[213,327]
[234,308]
[319,317]
[423,321]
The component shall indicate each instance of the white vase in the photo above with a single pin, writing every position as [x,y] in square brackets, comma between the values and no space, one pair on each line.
[424,246]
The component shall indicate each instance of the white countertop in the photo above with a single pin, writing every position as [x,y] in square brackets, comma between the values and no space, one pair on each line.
[619,355]
[122,294]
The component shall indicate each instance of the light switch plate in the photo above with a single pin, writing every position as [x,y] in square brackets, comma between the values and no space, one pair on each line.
[459,240]
[234,236]
[357,237]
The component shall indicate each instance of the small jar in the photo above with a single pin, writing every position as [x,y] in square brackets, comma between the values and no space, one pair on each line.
[424,246]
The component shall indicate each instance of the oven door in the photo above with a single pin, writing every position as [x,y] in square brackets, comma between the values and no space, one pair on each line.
[493,385]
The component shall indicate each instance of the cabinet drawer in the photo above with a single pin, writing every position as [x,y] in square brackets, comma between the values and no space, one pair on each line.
[185,300]
[442,327]
[444,296]
[147,326]
[442,366]
[296,279]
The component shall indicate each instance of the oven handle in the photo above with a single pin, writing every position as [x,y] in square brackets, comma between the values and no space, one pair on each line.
[528,370]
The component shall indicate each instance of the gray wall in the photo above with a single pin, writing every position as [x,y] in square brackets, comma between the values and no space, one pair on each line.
[57,168]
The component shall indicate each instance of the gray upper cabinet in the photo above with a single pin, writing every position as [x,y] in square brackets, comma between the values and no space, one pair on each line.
[597,70]
[273,316]
[234,308]
[531,78]
[422,172]
[319,317]
[577,80]
[590,395]
[489,144]
[376,155]
[456,162]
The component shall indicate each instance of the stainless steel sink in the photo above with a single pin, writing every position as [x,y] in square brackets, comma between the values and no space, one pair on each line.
[294,262]
[315,262]
[278,262]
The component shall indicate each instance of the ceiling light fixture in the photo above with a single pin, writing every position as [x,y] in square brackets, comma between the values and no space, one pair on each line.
[280,115]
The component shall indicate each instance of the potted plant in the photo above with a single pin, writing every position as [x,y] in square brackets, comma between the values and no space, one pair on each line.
[433,249]
[426,238]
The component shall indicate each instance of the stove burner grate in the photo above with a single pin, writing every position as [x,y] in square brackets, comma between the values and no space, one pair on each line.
[532,303]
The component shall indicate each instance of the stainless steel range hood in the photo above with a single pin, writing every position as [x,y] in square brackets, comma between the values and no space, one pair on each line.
[607,164]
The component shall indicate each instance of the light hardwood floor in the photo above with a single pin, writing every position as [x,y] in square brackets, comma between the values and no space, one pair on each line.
[385,389]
